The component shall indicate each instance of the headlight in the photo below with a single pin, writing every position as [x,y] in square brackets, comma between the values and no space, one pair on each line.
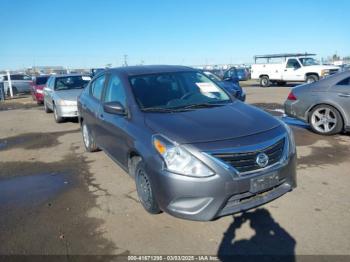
[325,72]
[62,102]
[291,145]
[178,160]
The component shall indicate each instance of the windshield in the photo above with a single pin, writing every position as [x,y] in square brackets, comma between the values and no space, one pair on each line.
[71,82]
[41,80]
[176,90]
[308,61]
[212,76]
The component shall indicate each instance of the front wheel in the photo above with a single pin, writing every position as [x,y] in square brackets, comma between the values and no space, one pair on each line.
[46,108]
[144,189]
[326,120]
[265,81]
[89,142]
[311,79]
[57,117]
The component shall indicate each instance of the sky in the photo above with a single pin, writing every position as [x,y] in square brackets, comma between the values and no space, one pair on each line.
[93,33]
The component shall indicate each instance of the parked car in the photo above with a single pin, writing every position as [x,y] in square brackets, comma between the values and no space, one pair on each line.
[37,86]
[345,67]
[61,93]
[294,68]
[230,84]
[20,83]
[194,151]
[95,71]
[325,105]
[243,74]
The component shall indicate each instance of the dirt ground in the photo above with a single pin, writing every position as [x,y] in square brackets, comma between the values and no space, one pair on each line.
[57,199]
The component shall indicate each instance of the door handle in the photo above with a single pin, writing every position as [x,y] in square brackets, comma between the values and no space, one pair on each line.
[285,70]
[344,94]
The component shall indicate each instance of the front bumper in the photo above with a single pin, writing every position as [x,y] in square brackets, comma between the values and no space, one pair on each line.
[67,111]
[222,194]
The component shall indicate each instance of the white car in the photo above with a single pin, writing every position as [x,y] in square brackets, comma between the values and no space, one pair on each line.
[294,68]
[61,93]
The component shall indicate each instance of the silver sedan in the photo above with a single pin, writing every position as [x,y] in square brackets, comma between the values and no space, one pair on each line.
[61,93]
[325,104]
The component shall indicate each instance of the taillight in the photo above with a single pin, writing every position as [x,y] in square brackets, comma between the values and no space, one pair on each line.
[292,97]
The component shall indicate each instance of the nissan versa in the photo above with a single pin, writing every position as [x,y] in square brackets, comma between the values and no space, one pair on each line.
[194,150]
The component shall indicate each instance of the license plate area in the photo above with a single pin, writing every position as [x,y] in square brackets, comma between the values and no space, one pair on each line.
[264,182]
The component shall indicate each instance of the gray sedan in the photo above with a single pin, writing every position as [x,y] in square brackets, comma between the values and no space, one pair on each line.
[61,93]
[325,104]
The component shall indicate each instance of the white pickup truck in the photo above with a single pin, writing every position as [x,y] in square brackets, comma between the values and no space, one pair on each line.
[294,68]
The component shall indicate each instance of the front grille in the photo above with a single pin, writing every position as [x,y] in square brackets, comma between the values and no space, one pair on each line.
[246,162]
[333,71]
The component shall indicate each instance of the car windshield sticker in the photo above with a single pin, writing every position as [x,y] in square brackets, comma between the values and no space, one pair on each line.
[207,87]
[86,78]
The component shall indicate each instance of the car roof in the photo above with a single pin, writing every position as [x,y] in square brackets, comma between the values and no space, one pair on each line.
[150,69]
[69,75]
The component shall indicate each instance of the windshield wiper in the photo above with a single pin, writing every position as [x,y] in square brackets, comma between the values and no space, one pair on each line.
[182,108]
[202,105]
[158,109]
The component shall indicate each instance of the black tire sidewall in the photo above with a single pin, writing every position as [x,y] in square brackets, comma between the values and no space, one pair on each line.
[313,77]
[339,126]
[57,118]
[47,110]
[153,208]
[262,80]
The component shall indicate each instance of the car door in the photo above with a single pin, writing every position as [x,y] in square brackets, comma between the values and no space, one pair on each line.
[114,137]
[48,91]
[92,107]
[293,71]
[341,94]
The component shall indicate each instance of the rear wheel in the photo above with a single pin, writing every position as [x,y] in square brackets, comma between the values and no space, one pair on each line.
[14,91]
[326,120]
[144,189]
[57,117]
[265,81]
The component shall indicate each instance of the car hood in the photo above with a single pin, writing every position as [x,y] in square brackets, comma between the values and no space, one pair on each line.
[321,67]
[211,124]
[69,95]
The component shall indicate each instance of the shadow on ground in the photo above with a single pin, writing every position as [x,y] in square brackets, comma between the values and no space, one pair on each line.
[270,242]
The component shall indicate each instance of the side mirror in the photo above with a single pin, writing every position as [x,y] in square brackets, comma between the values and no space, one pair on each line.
[115,108]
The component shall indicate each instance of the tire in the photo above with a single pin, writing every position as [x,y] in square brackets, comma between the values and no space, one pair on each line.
[326,120]
[265,81]
[88,140]
[311,79]
[144,189]
[46,109]
[14,91]
[57,118]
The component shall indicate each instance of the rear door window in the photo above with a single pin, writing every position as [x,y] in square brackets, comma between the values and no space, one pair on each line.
[97,87]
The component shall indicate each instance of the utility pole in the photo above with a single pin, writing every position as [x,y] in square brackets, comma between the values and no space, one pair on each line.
[125,60]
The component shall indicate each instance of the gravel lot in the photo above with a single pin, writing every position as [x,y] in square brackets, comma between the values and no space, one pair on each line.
[57,199]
